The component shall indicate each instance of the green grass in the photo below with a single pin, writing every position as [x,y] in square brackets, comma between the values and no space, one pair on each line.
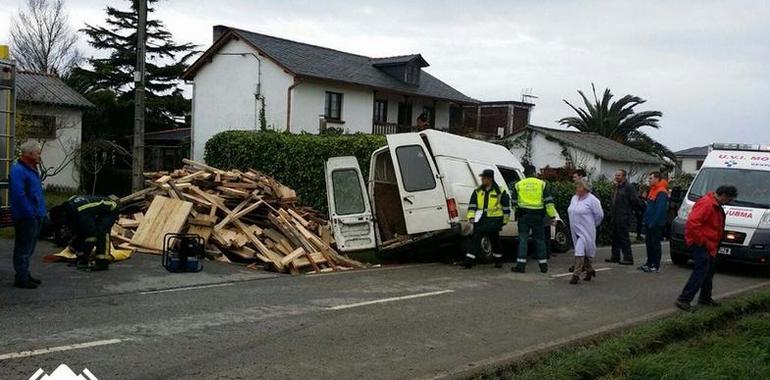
[52,198]
[731,341]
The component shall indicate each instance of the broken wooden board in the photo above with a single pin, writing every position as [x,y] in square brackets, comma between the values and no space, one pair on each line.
[164,216]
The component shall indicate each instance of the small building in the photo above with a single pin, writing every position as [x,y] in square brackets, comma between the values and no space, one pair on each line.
[599,156]
[494,119]
[249,81]
[690,160]
[51,113]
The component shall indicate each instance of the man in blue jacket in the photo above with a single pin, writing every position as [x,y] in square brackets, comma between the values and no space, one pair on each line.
[27,210]
[655,220]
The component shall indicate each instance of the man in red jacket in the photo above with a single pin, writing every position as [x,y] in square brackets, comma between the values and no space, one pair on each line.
[703,233]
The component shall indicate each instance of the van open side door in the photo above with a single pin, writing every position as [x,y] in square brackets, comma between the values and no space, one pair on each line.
[349,209]
[422,193]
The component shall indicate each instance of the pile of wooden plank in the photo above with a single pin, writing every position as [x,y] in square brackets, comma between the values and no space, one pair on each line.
[243,216]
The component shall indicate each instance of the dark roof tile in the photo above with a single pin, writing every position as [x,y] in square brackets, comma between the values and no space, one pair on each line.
[47,89]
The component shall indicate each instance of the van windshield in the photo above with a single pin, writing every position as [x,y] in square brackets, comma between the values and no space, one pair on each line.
[753,185]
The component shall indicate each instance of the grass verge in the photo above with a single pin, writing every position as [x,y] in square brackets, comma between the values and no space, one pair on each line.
[729,341]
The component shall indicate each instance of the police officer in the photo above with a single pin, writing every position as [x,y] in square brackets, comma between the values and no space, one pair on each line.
[92,218]
[489,210]
[533,202]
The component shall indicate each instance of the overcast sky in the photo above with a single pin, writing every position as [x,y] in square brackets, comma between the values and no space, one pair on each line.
[705,64]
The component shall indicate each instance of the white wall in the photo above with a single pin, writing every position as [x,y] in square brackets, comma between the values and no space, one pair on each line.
[308,101]
[549,153]
[56,151]
[690,165]
[224,94]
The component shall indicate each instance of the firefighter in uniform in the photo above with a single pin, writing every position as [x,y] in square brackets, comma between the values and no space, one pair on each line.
[489,210]
[533,201]
[92,218]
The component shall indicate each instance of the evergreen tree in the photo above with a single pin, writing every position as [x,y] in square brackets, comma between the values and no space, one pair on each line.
[109,81]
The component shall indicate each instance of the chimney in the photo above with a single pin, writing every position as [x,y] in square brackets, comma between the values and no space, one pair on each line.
[219,30]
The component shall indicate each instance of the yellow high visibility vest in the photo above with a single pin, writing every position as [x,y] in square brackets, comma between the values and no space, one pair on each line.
[529,193]
[494,208]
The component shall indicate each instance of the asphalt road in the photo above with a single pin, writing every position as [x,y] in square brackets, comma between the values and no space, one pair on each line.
[415,321]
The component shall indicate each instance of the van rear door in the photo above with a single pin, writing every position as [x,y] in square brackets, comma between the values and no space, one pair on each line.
[349,209]
[422,194]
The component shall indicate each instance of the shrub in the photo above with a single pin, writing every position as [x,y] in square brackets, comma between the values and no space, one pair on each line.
[297,160]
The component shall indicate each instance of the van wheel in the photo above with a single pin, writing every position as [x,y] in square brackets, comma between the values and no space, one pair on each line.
[486,249]
[561,239]
[679,259]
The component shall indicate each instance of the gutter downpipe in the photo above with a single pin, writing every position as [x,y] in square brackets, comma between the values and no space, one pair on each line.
[297,82]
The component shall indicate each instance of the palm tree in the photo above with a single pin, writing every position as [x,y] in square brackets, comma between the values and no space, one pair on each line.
[618,121]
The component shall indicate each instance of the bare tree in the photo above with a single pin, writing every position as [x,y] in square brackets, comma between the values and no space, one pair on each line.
[96,155]
[42,39]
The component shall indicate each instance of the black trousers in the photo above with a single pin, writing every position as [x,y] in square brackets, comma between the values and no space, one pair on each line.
[490,229]
[621,243]
[654,250]
[702,276]
[93,234]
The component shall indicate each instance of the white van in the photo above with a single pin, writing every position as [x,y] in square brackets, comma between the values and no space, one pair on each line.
[747,228]
[419,187]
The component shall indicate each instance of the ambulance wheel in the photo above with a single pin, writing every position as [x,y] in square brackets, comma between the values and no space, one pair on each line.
[561,239]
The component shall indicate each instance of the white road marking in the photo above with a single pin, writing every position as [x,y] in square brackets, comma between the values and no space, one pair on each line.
[42,351]
[186,288]
[570,273]
[384,300]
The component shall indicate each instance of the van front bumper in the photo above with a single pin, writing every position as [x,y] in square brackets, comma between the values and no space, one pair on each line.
[757,252]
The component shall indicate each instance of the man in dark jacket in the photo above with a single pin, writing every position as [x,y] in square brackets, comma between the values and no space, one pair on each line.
[655,220]
[27,210]
[624,202]
[92,218]
[489,210]
[703,233]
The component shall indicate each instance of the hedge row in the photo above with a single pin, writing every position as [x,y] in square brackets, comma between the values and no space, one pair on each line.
[297,160]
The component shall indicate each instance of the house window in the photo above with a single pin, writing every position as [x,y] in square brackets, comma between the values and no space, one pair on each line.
[39,126]
[698,164]
[333,109]
[430,112]
[381,111]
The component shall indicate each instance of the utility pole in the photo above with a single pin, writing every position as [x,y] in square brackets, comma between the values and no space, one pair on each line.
[137,179]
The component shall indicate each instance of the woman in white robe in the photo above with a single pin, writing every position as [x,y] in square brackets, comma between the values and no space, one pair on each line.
[585,215]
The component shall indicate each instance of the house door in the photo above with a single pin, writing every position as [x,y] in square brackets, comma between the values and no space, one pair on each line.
[404,114]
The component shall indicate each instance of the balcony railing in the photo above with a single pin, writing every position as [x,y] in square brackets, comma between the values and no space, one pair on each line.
[391,128]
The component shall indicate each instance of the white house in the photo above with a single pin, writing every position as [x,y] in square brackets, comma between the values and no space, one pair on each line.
[297,87]
[596,154]
[691,159]
[51,113]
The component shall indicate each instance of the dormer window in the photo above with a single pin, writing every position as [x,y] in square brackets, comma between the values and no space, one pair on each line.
[405,68]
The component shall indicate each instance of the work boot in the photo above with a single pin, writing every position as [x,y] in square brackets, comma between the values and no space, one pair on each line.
[25,284]
[101,265]
[684,306]
[610,260]
[35,280]
[708,302]
[626,262]
[543,268]
[519,268]
[574,280]
[591,273]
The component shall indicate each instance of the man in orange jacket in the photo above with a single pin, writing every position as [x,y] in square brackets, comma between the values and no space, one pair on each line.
[703,232]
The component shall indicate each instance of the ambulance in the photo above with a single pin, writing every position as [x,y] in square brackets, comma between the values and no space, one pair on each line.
[747,228]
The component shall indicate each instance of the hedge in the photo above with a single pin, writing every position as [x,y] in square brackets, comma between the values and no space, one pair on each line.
[297,160]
